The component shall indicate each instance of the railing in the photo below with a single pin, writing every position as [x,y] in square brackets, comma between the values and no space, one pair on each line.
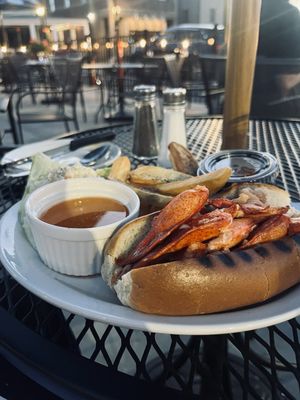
[105,49]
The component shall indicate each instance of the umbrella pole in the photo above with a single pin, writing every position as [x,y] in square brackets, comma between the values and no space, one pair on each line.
[242,47]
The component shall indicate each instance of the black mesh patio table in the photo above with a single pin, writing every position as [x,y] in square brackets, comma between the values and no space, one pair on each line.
[51,344]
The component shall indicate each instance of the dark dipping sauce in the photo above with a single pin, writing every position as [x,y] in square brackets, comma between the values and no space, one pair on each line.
[85,212]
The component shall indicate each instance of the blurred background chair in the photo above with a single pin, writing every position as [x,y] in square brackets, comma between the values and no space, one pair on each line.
[66,75]
[117,91]
[204,79]
[59,99]
[20,74]
[13,71]
[276,90]
[6,108]
[155,72]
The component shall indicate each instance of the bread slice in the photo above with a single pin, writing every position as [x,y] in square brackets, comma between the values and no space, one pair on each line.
[122,242]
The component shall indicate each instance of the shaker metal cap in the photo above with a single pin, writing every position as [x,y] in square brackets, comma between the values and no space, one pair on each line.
[144,91]
[247,165]
[174,96]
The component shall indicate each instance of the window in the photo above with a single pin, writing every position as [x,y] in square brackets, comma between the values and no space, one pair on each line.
[212,15]
[52,5]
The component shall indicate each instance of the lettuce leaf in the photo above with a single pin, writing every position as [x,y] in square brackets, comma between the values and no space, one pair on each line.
[39,173]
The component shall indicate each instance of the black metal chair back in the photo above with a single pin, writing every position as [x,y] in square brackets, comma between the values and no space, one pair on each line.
[67,78]
[13,73]
[155,76]
[276,89]
[64,88]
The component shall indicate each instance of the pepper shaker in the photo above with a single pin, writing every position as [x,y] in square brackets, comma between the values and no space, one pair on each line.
[145,133]
[173,129]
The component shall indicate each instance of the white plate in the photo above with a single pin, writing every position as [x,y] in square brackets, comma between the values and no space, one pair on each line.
[29,150]
[91,298]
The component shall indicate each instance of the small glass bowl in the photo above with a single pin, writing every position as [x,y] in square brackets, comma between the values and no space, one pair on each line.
[247,165]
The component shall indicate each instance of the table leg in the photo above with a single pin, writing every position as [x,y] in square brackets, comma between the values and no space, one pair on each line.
[215,382]
[18,138]
[121,115]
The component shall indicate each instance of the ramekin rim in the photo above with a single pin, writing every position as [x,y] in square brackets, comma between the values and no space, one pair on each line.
[55,228]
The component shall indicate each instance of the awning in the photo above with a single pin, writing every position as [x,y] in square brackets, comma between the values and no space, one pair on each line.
[16,4]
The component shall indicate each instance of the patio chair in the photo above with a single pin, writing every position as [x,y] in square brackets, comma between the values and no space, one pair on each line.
[62,95]
[118,87]
[276,89]
[18,76]
[12,72]
[155,76]
[204,79]
[6,107]
[100,81]
[59,65]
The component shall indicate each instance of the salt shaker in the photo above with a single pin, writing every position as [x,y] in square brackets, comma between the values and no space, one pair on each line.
[146,142]
[173,129]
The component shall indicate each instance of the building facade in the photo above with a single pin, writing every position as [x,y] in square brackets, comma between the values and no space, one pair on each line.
[201,11]
[131,15]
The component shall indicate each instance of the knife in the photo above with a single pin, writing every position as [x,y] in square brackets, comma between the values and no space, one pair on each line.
[66,148]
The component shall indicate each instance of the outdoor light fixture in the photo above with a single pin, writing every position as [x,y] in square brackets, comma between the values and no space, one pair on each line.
[143,43]
[211,41]
[119,52]
[116,10]
[185,44]
[40,11]
[84,45]
[91,17]
[163,43]
[109,45]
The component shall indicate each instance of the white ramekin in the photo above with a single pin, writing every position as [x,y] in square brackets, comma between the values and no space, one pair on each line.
[75,251]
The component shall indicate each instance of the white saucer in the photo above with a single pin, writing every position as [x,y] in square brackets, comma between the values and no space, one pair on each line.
[91,298]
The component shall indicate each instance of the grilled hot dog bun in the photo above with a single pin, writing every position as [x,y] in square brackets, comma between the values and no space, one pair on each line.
[212,283]
[216,282]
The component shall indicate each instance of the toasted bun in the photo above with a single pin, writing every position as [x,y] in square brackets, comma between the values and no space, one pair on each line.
[121,244]
[213,283]
[216,282]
